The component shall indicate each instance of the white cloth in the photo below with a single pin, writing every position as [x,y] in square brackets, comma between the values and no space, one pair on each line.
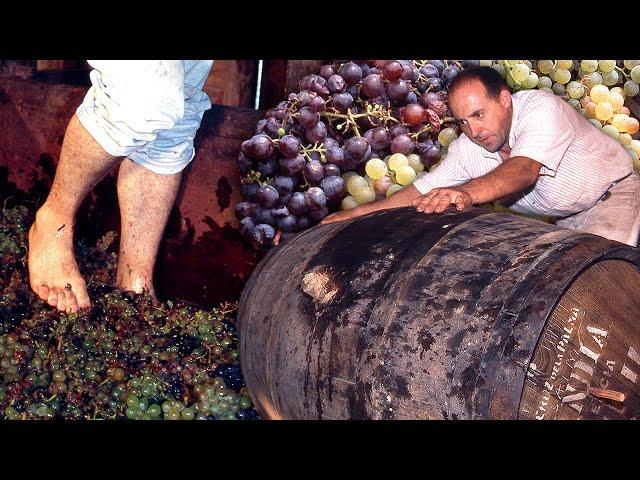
[580,162]
[147,110]
[616,216]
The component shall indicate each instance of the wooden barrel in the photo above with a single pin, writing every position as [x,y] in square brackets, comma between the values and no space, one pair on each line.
[463,315]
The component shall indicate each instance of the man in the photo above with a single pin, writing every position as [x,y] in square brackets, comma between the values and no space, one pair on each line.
[143,115]
[532,152]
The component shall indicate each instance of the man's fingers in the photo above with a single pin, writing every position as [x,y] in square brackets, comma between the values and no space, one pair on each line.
[460,203]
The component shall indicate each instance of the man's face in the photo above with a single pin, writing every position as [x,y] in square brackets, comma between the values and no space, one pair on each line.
[485,120]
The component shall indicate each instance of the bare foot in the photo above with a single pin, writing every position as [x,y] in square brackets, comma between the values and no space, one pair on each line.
[136,280]
[53,272]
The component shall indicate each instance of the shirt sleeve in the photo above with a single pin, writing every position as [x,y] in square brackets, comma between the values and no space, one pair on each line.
[544,135]
[447,173]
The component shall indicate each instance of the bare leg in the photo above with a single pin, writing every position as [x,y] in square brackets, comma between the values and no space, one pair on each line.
[53,271]
[146,199]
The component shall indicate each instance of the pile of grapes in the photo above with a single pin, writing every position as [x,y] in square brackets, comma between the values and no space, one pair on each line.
[124,358]
[359,131]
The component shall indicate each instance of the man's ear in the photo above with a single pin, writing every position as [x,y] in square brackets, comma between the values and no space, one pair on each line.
[505,98]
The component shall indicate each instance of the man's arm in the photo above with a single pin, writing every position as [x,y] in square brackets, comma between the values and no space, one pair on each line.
[513,175]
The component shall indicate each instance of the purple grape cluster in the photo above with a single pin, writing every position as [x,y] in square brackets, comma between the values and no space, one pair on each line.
[349,112]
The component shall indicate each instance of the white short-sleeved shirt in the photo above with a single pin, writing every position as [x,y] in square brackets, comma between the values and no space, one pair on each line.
[580,162]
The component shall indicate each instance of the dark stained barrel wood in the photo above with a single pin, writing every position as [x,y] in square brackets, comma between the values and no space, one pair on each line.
[399,315]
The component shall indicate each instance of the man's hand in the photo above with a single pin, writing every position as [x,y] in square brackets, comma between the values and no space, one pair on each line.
[438,199]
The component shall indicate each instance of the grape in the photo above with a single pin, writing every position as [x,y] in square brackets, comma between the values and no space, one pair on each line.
[596,123]
[564,64]
[393,189]
[619,121]
[625,138]
[616,100]
[288,223]
[355,148]
[364,195]
[336,84]
[292,166]
[415,162]
[449,73]
[635,74]
[435,84]
[531,81]
[398,160]
[392,71]
[258,147]
[313,83]
[589,66]
[244,209]
[304,222]
[355,183]
[561,75]
[606,65]
[486,63]
[373,85]
[631,88]
[333,188]
[610,78]
[405,175]
[446,136]
[430,70]
[351,73]
[545,66]
[342,101]
[315,197]
[283,184]
[318,214]
[439,64]
[267,168]
[599,93]
[349,202]
[313,172]
[633,126]
[297,204]
[575,89]
[244,164]
[289,146]
[544,82]
[381,185]
[604,111]
[398,90]
[249,191]
[263,234]
[267,196]
[630,64]
[403,144]
[611,131]
[574,102]
[593,79]
[317,134]
[413,114]
[317,105]
[326,71]
[307,117]
[379,138]
[331,170]
[335,155]
[520,72]
[376,168]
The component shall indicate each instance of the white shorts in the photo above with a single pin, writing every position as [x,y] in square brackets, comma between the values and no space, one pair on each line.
[616,216]
[147,110]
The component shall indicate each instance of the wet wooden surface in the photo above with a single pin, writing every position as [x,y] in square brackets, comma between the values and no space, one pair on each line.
[419,317]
